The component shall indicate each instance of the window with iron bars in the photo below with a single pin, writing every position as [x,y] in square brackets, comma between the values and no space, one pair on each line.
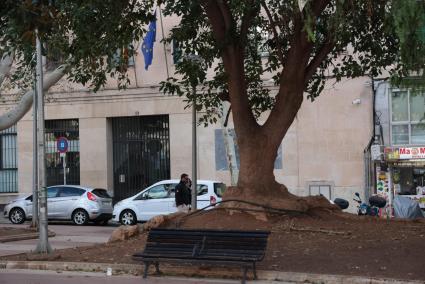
[68,128]
[8,161]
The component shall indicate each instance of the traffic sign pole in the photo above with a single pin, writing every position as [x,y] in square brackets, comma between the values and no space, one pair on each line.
[63,155]
[62,145]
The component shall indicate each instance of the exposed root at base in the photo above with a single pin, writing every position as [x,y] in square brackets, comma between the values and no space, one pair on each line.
[275,198]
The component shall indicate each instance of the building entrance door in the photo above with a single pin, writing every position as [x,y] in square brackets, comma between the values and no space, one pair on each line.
[141,153]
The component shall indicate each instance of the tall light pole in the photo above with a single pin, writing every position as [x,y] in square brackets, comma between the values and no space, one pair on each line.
[194,153]
[43,245]
[194,59]
[34,222]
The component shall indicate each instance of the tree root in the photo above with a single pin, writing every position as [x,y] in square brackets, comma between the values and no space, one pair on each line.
[307,229]
[276,198]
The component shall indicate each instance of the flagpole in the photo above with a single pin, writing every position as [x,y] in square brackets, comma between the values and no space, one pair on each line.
[163,42]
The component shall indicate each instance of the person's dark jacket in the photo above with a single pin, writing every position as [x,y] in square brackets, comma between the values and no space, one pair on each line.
[182,194]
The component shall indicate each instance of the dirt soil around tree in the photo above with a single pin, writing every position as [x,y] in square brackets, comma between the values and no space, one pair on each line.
[317,242]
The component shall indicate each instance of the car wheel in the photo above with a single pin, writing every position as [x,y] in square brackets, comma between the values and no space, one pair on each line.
[80,217]
[128,217]
[17,216]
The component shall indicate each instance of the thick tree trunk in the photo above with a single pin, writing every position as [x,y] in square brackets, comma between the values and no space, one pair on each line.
[258,151]
[257,144]
[257,182]
[257,156]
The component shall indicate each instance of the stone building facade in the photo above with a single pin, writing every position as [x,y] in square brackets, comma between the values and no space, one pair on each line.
[123,140]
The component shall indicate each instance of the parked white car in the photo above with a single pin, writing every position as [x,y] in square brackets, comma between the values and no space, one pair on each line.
[158,199]
[66,202]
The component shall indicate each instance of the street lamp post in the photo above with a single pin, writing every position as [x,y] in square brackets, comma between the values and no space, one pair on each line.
[194,59]
[194,153]
[43,245]
[34,222]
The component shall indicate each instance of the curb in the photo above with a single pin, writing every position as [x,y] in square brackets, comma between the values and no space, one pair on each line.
[21,237]
[136,269]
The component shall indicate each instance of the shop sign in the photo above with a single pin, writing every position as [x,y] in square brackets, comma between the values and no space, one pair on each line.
[391,153]
[382,177]
[404,153]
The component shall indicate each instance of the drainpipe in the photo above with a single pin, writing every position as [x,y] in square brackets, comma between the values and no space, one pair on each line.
[367,159]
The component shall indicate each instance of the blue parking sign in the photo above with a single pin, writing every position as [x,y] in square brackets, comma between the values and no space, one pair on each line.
[62,144]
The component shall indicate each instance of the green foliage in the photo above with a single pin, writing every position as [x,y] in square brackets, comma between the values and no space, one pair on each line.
[86,33]
[367,37]
[346,38]
[409,22]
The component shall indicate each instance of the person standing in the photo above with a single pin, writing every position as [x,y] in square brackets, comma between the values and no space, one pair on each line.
[182,194]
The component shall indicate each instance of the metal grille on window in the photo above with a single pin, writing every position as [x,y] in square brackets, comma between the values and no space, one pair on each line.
[68,128]
[141,149]
[8,161]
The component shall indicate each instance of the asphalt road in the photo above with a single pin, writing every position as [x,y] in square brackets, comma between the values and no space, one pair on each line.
[51,277]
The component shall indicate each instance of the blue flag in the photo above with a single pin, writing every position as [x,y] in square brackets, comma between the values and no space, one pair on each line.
[147,46]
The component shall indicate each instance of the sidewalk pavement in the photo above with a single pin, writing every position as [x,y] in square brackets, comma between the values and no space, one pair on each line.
[66,236]
[21,237]
[263,276]
[73,236]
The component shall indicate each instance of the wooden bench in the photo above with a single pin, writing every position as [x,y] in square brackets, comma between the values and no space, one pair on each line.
[241,248]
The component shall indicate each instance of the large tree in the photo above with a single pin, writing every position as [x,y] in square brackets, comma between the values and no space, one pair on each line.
[306,42]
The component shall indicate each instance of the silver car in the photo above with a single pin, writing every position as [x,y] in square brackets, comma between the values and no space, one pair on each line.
[66,202]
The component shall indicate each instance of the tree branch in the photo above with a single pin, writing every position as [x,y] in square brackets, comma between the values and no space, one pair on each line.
[220,18]
[226,120]
[321,54]
[225,12]
[5,66]
[325,49]
[292,82]
[318,6]
[246,21]
[12,116]
[275,33]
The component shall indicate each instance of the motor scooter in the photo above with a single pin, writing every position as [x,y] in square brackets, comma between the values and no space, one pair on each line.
[371,209]
[341,203]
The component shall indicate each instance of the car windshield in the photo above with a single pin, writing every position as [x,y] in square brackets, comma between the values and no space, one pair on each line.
[200,188]
[100,192]
[219,188]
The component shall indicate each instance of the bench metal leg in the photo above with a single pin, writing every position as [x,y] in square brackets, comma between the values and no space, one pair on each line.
[145,273]
[157,268]
[245,269]
[254,270]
